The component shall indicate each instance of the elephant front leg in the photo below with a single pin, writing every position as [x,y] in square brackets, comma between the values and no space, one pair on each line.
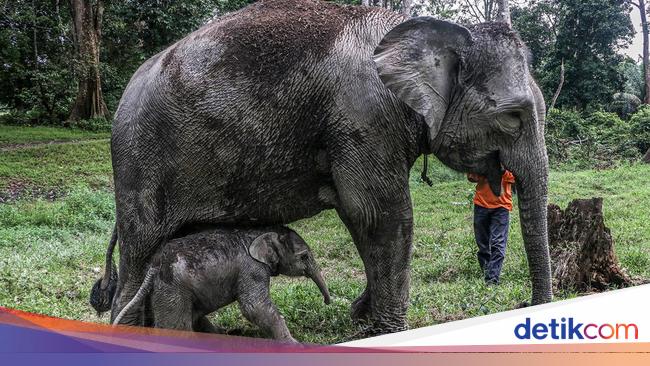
[384,243]
[261,311]
[385,248]
[203,325]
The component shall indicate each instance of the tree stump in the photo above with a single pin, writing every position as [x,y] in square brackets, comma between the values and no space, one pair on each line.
[582,249]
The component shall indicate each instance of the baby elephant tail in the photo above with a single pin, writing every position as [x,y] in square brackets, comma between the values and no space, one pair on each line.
[101,295]
[140,295]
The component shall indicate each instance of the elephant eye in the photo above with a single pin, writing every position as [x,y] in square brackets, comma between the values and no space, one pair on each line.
[510,122]
[515,115]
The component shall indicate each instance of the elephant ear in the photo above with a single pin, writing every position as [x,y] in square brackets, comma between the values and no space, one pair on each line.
[264,249]
[418,61]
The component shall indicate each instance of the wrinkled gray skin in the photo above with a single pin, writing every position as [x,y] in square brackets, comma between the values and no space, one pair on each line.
[277,112]
[196,275]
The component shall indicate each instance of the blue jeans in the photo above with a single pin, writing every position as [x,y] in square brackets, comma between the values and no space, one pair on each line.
[491,231]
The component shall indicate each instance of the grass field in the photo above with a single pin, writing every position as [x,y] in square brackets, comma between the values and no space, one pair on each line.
[52,246]
[16,135]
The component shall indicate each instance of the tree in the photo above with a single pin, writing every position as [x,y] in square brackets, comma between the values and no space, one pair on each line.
[641,7]
[443,9]
[406,7]
[478,11]
[536,24]
[36,81]
[503,13]
[588,38]
[87,25]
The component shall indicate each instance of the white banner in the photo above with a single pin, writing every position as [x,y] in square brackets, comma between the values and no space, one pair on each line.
[617,316]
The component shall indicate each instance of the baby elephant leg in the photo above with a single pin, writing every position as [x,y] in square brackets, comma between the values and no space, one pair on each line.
[203,325]
[172,309]
[265,315]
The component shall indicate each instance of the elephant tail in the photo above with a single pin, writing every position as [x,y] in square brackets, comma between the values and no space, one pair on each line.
[140,295]
[103,291]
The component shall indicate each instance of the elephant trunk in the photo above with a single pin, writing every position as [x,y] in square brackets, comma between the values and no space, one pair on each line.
[532,187]
[316,276]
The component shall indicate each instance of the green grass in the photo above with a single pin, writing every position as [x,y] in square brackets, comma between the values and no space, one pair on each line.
[58,166]
[16,135]
[52,251]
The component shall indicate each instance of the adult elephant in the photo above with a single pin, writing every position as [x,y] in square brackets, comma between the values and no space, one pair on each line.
[287,108]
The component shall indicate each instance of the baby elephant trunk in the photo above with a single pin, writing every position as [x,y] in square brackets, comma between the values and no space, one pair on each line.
[316,276]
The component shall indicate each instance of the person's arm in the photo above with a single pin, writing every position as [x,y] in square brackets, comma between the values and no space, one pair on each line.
[509,178]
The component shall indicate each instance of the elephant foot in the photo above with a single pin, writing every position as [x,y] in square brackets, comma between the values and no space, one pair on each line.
[361,307]
[375,329]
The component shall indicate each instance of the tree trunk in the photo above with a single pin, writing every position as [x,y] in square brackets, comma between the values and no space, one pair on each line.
[646,55]
[406,7]
[582,248]
[559,88]
[504,12]
[365,2]
[87,22]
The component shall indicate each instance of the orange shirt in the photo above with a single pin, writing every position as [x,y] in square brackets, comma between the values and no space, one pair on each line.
[484,196]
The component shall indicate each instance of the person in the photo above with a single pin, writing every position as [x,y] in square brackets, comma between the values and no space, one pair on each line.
[491,223]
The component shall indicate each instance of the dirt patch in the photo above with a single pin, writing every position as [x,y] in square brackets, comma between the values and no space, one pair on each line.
[582,248]
[16,190]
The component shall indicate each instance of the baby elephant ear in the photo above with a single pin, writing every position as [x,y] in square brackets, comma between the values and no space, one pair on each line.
[263,249]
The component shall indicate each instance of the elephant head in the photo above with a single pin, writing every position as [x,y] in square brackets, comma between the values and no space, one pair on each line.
[287,253]
[483,111]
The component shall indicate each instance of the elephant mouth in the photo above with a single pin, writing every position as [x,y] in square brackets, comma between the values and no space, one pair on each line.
[465,158]
[494,174]
[492,168]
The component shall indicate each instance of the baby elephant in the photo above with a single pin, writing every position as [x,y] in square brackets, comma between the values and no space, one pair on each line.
[195,275]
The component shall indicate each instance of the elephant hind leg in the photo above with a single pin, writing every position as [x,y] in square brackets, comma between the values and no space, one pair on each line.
[135,253]
[172,307]
[361,306]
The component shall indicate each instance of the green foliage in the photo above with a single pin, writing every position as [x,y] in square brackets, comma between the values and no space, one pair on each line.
[640,129]
[612,136]
[37,81]
[36,76]
[633,75]
[589,34]
[532,24]
[624,104]
[586,36]
[598,139]
[93,125]
[442,9]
